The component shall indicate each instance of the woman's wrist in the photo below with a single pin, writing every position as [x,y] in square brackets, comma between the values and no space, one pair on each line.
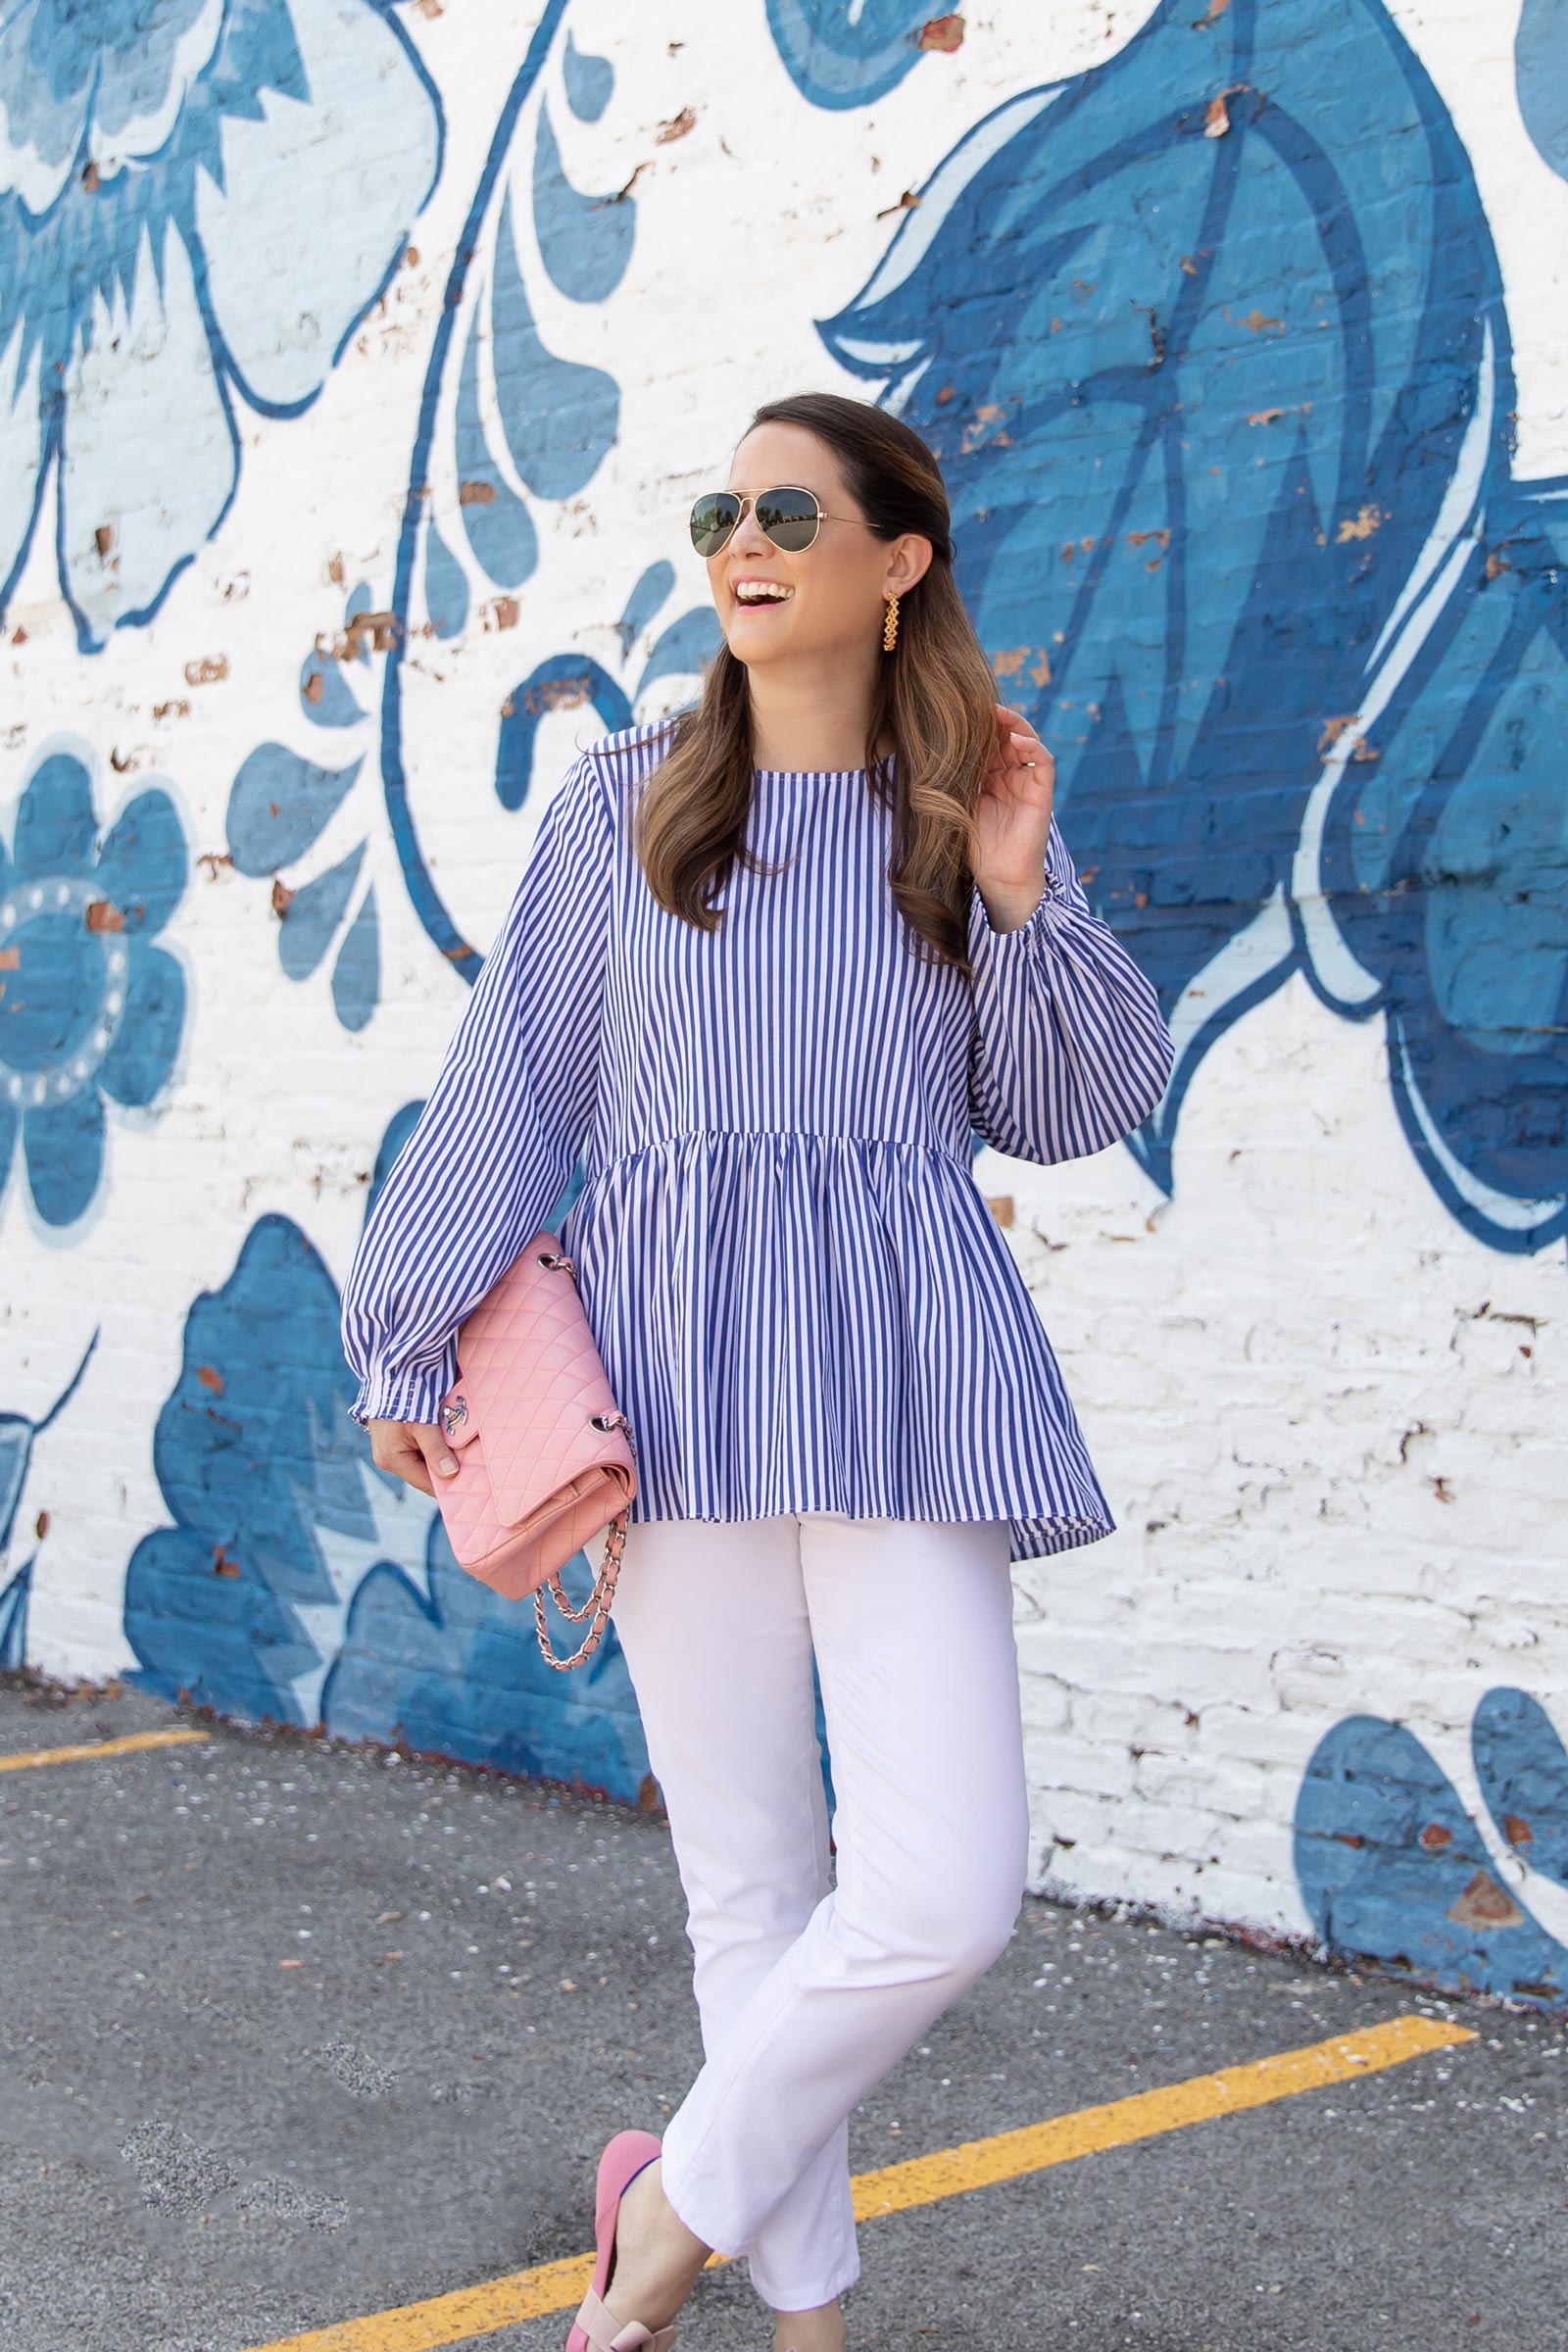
[1010,906]
[1008,911]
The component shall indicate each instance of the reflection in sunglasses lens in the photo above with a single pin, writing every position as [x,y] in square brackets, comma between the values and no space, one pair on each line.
[789,518]
[714,518]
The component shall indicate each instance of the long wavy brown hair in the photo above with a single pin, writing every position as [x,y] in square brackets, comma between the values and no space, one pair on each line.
[935,697]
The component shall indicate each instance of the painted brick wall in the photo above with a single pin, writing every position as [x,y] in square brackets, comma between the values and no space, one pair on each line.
[357,365]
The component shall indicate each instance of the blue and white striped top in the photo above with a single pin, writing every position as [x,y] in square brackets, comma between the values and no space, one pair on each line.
[799,1296]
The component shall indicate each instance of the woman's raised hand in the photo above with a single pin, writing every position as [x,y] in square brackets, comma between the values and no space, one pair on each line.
[416,1451]
[1012,814]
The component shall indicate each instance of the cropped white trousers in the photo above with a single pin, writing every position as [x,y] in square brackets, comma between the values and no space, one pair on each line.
[807,1993]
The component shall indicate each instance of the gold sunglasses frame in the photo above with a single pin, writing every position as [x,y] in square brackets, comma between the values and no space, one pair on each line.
[749,500]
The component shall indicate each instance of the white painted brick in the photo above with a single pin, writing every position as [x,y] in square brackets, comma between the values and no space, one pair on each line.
[1066,1764]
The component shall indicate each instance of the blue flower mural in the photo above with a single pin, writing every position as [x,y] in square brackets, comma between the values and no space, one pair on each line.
[90,1008]
[196,201]
[1223,405]
[297,1583]
[1395,1873]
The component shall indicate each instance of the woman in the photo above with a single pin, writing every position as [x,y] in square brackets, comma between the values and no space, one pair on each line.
[847,1414]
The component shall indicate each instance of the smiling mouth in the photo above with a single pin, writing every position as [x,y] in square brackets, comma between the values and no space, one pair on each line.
[765,602]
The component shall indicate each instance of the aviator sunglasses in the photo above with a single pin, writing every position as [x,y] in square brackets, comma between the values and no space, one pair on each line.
[790,516]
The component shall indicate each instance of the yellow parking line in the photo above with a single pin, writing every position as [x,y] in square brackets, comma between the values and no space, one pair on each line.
[476,2311]
[98,1747]
[979,2162]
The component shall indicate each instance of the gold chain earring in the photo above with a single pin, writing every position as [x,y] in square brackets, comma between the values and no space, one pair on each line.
[890,626]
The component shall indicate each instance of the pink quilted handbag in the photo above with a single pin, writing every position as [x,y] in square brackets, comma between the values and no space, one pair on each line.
[545,1455]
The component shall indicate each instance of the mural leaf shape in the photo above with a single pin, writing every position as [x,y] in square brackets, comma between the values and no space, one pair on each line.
[256,1456]
[279,804]
[1394,1872]
[315,913]
[357,973]
[452,1671]
[1522,1767]
[589,82]
[585,242]
[559,417]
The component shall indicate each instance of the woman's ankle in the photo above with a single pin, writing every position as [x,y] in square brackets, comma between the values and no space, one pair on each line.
[662,2258]
[819,2330]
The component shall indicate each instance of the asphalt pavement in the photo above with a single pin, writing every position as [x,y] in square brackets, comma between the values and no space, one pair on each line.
[296,2035]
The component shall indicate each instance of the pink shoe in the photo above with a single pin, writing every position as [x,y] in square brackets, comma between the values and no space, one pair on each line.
[594,2330]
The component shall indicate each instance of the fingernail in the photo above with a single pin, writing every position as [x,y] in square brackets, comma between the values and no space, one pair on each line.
[446,1465]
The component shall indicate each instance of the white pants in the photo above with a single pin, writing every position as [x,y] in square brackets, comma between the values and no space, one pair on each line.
[808,1994]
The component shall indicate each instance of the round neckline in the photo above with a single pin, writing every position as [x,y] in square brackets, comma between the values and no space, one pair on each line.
[818,775]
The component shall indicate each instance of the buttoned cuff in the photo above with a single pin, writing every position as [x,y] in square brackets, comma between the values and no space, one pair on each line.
[411,1395]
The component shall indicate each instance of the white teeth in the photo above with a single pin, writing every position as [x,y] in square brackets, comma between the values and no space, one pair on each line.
[758,592]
